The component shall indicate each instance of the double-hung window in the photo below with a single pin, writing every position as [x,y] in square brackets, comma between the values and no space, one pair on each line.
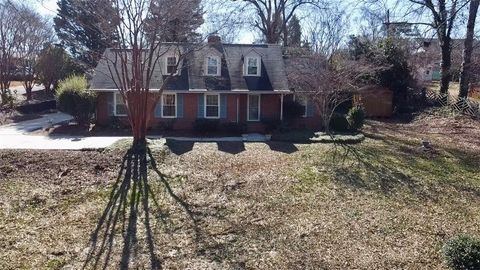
[254,108]
[252,66]
[212,106]
[169,106]
[213,66]
[171,65]
[120,108]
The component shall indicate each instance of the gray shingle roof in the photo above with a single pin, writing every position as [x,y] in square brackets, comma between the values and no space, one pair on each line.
[192,75]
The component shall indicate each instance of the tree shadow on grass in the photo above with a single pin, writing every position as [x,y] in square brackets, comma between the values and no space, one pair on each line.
[180,147]
[128,207]
[231,147]
[284,147]
[374,172]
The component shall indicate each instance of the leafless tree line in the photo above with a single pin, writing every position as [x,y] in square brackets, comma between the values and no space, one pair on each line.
[23,34]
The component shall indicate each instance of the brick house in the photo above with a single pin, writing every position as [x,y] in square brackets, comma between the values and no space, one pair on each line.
[230,83]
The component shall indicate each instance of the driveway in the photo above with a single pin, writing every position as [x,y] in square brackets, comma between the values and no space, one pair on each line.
[20,90]
[18,136]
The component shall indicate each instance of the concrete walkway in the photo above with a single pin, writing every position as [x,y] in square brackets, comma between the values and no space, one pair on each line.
[18,136]
[24,127]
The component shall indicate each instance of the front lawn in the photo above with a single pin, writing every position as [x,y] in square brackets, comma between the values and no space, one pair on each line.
[388,204]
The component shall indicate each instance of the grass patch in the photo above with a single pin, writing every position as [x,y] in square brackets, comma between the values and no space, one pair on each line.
[389,204]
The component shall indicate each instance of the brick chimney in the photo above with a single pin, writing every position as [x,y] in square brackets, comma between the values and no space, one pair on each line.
[214,39]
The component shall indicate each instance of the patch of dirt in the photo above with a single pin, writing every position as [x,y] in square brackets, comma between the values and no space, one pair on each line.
[456,131]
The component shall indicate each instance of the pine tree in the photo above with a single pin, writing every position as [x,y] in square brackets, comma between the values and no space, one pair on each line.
[85,28]
[294,32]
[180,18]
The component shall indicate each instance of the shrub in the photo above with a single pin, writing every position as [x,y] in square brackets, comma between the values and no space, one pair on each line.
[339,123]
[74,98]
[271,125]
[205,125]
[7,98]
[234,128]
[462,253]
[356,118]
[292,110]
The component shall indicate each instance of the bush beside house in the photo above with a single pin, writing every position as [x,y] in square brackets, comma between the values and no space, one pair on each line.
[74,98]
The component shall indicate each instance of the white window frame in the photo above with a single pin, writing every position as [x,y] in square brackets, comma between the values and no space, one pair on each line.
[205,106]
[303,100]
[166,64]
[259,108]
[176,104]
[218,66]
[259,66]
[115,94]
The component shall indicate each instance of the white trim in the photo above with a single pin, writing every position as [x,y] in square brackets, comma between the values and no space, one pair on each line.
[205,106]
[259,66]
[235,91]
[196,90]
[115,104]
[176,104]
[259,108]
[219,71]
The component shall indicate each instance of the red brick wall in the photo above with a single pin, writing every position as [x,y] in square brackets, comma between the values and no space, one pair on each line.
[270,109]
[102,109]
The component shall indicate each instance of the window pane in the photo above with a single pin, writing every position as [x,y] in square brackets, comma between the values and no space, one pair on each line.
[212,66]
[252,70]
[171,61]
[212,111]
[169,99]
[212,70]
[119,98]
[121,109]
[212,100]
[252,62]
[254,107]
[169,111]
[171,65]
[212,62]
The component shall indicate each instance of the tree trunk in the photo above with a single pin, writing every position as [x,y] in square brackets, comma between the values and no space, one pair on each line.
[284,29]
[446,65]
[28,90]
[468,48]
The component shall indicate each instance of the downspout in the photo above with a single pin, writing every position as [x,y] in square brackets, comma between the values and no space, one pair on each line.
[238,108]
[281,107]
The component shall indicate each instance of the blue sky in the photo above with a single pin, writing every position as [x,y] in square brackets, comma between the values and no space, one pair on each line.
[49,7]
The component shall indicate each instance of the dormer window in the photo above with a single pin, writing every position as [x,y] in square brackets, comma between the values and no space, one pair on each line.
[171,65]
[213,66]
[252,66]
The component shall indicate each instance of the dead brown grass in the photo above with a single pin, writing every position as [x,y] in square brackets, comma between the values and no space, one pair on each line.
[259,206]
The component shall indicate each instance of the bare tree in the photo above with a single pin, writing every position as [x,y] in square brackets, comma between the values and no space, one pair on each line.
[444,14]
[273,16]
[326,30]
[329,83]
[11,37]
[135,59]
[37,33]
[465,76]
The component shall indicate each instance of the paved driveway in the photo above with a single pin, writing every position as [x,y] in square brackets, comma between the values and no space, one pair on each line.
[18,136]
